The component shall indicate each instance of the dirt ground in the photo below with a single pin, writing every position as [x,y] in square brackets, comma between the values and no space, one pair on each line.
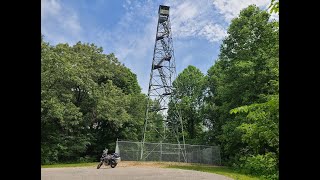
[127,171]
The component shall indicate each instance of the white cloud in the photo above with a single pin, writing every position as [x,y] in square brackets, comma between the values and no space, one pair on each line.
[58,23]
[49,8]
[195,19]
[132,39]
[129,44]
[274,16]
[185,11]
[213,32]
[231,8]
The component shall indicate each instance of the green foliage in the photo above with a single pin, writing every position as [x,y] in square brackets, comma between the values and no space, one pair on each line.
[242,101]
[259,131]
[274,6]
[188,95]
[155,126]
[87,97]
[245,73]
[260,165]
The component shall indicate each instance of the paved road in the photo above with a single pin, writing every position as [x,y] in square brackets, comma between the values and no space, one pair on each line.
[125,173]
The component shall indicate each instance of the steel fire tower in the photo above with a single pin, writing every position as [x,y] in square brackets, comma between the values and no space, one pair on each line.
[163,72]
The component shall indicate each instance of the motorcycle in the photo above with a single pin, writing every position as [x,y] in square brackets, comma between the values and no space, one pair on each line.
[109,159]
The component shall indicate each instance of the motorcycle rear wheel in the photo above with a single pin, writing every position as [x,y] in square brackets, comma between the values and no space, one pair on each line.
[113,164]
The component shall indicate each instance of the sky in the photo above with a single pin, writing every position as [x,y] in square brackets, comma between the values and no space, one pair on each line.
[127,28]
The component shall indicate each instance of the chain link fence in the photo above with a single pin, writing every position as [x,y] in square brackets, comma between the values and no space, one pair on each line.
[131,151]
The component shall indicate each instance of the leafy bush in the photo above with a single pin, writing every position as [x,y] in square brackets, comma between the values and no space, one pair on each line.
[261,165]
[87,159]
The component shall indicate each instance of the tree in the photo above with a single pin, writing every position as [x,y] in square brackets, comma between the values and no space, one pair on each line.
[245,74]
[86,97]
[188,93]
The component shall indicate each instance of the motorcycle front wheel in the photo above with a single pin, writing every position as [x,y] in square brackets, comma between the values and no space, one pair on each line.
[100,164]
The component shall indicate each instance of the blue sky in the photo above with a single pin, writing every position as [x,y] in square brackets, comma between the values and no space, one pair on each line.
[128,27]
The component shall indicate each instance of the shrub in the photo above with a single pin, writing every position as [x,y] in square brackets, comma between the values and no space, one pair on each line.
[261,165]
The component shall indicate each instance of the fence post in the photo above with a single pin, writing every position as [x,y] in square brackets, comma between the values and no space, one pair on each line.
[117,150]
[179,149]
[139,150]
[160,150]
[219,156]
[211,156]
[200,153]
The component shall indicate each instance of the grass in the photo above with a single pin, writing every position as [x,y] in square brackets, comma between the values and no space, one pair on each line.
[217,170]
[70,165]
